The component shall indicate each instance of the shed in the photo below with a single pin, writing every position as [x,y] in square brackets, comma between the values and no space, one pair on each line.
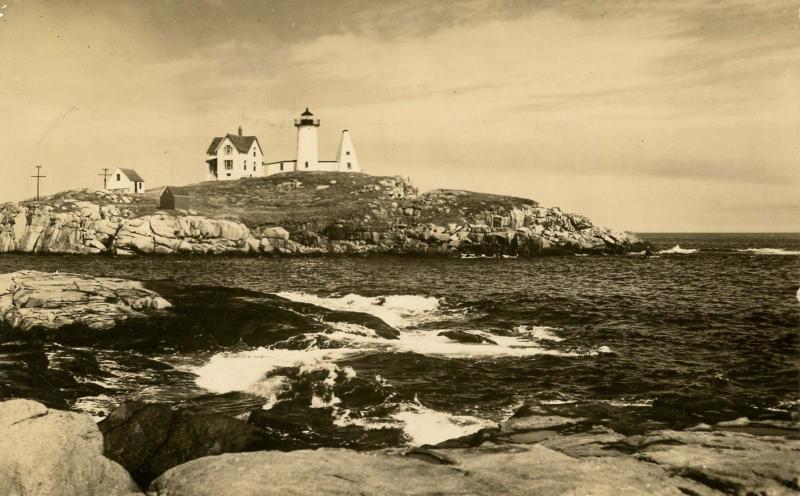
[173,198]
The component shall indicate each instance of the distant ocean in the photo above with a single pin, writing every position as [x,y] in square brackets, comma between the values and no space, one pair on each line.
[705,330]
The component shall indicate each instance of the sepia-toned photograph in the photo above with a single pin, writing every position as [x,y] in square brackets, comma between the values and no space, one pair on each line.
[399,247]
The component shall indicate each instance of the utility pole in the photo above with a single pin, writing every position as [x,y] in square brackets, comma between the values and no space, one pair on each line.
[105,175]
[38,176]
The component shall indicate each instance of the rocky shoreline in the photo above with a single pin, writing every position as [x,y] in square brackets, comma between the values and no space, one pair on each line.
[53,452]
[328,214]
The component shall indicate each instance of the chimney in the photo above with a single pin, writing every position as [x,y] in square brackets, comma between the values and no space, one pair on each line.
[240,130]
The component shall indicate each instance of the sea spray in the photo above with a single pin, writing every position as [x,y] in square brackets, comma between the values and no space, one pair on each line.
[423,425]
[396,310]
[677,250]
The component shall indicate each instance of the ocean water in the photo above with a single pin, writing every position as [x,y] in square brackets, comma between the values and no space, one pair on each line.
[705,330]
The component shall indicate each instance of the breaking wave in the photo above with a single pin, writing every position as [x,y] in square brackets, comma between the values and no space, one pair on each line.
[769,251]
[539,332]
[396,310]
[677,250]
[304,368]
[423,425]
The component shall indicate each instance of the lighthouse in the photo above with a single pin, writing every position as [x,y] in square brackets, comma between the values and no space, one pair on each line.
[307,151]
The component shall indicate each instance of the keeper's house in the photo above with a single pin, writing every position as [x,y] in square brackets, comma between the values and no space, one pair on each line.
[234,156]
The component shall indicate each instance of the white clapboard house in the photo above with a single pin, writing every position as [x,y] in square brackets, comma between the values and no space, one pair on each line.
[125,181]
[234,156]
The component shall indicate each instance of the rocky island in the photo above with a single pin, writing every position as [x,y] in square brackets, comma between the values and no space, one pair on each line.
[303,213]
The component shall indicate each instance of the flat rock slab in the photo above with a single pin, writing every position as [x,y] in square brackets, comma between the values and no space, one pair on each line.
[47,452]
[507,470]
[661,463]
[31,299]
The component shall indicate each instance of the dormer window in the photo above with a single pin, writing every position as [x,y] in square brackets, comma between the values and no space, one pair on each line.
[228,149]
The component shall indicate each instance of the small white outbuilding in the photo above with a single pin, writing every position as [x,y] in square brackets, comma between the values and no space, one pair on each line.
[125,181]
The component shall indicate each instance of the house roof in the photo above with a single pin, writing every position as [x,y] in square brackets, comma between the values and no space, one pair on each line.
[132,175]
[176,191]
[241,143]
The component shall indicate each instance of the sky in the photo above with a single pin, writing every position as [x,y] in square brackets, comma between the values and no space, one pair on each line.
[643,115]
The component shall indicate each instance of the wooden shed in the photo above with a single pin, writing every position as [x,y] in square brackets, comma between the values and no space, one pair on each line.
[173,198]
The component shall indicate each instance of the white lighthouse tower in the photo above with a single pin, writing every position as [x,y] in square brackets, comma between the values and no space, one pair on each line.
[347,160]
[307,151]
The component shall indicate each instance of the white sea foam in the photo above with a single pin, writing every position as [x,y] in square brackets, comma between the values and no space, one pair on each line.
[624,403]
[677,250]
[270,388]
[325,398]
[770,251]
[344,418]
[538,332]
[246,371]
[396,310]
[95,406]
[249,371]
[424,425]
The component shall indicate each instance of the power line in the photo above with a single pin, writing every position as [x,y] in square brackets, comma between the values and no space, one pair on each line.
[105,175]
[38,177]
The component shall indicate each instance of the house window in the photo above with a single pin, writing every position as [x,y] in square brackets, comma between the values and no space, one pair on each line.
[228,149]
[347,152]
[349,165]
[254,152]
[281,166]
[228,174]
[118,177]
[228,165]
[306,165]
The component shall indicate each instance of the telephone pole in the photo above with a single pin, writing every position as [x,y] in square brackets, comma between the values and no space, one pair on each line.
[105,175]
[38,176]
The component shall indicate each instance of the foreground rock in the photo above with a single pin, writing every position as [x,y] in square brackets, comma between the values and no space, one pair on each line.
[31,299]
[665,463]
[148,439]
[51,453]
[309,213]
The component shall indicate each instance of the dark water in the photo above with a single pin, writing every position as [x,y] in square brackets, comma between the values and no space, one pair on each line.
[630,342]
